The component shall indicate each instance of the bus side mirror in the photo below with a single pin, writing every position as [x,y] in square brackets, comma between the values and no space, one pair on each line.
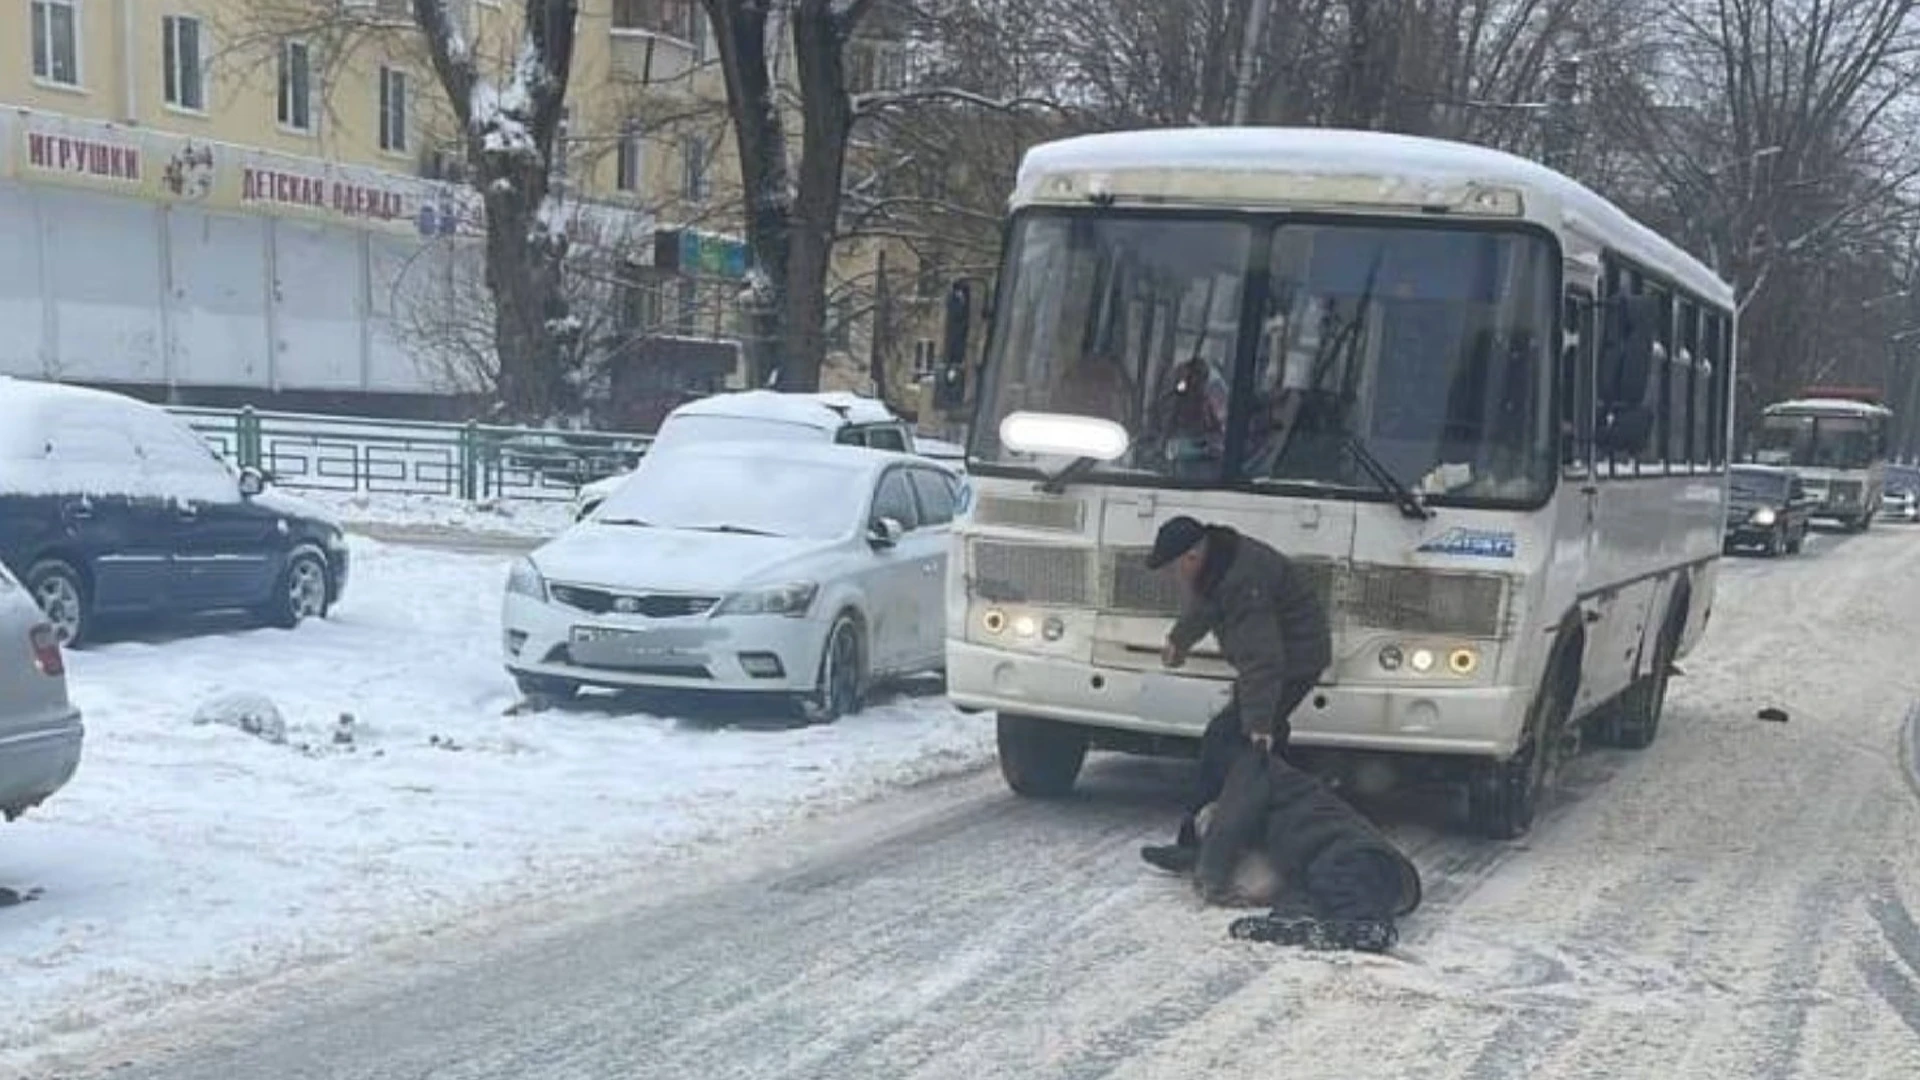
[1628,339]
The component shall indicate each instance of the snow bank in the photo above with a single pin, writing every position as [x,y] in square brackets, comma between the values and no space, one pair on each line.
[186,853]
[493,517]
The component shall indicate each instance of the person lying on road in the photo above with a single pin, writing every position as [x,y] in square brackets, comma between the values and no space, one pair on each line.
[1341,884]
[1272,628]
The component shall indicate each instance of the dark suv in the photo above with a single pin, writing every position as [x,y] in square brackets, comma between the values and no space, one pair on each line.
[112,508]
[1767,508]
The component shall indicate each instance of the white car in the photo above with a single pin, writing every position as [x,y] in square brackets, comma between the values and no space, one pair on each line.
[799,569]
[40,730]
[767,416]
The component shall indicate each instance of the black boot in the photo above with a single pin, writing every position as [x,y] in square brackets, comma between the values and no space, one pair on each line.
[1179,857]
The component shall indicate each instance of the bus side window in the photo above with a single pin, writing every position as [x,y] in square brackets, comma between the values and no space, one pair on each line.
[1653,456]
[1576,384]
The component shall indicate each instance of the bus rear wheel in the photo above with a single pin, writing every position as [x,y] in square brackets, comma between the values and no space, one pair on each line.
[1040,759]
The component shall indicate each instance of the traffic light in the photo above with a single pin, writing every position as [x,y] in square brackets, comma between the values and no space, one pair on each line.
[950,383]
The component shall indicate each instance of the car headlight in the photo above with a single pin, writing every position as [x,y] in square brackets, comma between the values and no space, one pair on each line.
[1763,516]
[525,580]
[791,599]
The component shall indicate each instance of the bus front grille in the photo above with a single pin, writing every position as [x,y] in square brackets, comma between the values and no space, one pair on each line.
[1418,601]
[1032,573]
[1059,515]
[1398,598]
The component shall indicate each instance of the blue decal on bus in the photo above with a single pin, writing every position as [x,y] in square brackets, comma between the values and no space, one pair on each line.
[1481,543]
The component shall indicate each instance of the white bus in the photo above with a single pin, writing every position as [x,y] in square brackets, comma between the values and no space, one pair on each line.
[1486,409]
[1837,441]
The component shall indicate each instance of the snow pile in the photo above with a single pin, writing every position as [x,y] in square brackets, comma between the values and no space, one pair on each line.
[501,113]
[255,714]
[405,797]
[520,518]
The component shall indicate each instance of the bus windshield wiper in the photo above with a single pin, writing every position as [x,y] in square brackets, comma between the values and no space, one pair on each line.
[1057,481]
[1411,505]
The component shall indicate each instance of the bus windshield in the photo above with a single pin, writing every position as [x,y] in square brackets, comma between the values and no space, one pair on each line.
[1828,442]
[1427,345]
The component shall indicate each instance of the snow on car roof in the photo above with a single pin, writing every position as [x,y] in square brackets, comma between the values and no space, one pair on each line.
[1336,152]
[860,458]
[25,402]
[1829,405]
[821,410]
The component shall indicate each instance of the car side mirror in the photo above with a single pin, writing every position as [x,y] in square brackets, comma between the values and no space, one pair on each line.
[885,532]
[252,482]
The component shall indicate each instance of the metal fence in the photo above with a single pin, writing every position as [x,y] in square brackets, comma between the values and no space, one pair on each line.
[469,461]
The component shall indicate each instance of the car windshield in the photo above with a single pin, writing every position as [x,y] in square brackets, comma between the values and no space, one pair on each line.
[1830,442]
[1428,345]
[745,493]
[1757,485]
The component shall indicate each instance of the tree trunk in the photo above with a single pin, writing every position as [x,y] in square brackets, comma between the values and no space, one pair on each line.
[529,313]
[511,133]
[740,29]
[819,43]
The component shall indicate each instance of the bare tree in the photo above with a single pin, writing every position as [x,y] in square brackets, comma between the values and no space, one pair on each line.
[508,126]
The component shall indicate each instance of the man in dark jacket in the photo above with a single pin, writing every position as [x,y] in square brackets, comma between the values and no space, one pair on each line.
[1341,882]
[1271,628]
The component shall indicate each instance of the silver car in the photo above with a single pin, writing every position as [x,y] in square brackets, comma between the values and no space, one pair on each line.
[40,730]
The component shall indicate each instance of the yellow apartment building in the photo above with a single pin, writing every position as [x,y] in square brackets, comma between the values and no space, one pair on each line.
[210,202]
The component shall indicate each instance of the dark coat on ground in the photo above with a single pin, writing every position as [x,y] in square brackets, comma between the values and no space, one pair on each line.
[1331,860]
[1267,617]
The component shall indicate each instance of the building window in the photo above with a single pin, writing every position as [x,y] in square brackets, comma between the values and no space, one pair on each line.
[393,109]
[925,359]
[840,323]
[630,160]
[876,65]
[687,323]
[56,42]
[186,73]
[695,182]
[296,86]
[669,18]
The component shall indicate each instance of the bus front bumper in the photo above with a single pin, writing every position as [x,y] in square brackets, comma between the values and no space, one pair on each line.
[1482,721]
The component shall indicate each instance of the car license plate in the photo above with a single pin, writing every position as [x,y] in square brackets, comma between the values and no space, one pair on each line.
[634,642]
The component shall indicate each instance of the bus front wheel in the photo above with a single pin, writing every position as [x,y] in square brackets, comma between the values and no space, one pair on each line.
[1040,759]
[1504,795]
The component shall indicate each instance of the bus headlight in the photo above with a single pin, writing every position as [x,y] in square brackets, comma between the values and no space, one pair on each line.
[1053,629]
[994,620]
[1025,626]
[1391,658]
[1421,660]
[1763,516]
[1463,661]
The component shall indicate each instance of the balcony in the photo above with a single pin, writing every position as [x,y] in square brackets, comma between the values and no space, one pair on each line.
[650,58]
[657,41]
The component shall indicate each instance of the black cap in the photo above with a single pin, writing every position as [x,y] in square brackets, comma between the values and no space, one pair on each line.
[1175,538]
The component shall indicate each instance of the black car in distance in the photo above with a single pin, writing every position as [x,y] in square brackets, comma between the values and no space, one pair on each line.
[111,508]
[1767,509]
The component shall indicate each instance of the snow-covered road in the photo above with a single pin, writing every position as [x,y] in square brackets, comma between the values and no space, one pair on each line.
[1735,902]
[183,858]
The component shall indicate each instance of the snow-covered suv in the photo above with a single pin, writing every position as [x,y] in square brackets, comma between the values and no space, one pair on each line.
[768,416]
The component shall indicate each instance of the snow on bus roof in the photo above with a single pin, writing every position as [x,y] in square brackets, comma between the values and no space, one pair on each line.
[1339,152]
[830,409]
